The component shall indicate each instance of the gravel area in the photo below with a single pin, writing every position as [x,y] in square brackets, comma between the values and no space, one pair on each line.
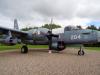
[40,62]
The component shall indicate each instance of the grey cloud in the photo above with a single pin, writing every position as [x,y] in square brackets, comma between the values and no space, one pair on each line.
[65,9]
[15,8]
[89,9]
[57,8]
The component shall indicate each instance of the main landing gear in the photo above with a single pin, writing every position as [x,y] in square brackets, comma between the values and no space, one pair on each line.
[24,49]
[81,51]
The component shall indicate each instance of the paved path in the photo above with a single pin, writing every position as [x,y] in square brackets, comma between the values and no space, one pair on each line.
[39,62]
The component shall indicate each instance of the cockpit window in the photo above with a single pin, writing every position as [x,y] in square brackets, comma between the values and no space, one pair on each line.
[69,28]
[86,33]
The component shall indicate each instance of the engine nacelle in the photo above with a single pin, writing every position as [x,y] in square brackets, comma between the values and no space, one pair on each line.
[9,40]
[58,46]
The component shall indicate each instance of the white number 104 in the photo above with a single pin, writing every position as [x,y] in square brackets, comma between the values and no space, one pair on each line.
[74,37]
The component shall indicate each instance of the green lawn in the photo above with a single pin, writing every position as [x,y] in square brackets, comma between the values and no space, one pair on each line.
[89,48]
[93,48]
[86,48]
[18,46]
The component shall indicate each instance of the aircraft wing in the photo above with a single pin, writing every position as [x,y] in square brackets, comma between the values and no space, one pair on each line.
[14,32]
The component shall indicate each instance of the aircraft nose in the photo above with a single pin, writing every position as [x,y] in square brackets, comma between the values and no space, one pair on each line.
[98,36]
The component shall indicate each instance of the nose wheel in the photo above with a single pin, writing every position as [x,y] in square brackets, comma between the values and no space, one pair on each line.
[81,51]
[24,49]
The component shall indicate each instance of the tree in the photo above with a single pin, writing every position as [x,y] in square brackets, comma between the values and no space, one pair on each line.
[99,29]
[78,26]
[93,27]
[51,26]
[26,29]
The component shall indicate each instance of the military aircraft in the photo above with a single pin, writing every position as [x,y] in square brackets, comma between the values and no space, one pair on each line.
[43,36]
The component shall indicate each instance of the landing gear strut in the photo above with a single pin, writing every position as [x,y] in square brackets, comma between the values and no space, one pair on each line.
[81,51]
[24,49]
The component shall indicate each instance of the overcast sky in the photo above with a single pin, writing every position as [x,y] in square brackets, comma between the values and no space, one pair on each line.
[38,12]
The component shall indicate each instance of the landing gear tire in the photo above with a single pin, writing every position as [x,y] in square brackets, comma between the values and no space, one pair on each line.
[24,49]
[81,52]
[61,46]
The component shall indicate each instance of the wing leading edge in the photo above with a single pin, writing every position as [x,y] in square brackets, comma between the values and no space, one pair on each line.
[13,32]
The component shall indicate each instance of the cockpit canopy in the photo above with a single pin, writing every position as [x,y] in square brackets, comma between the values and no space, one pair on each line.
[39,31]
[69,28]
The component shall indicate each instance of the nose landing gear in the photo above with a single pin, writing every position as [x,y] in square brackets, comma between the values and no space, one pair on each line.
[81,51]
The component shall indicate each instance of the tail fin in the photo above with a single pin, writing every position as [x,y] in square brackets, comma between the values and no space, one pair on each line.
[16,24]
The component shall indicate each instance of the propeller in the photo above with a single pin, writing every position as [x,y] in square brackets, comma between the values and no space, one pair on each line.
[50,35]
[10,36]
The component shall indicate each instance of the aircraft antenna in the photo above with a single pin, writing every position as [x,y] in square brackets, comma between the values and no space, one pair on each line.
[51,24]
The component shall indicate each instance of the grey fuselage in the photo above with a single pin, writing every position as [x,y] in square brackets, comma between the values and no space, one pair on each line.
[80,36]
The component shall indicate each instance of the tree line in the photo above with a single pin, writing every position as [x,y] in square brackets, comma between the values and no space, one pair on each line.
[48,26]
[54,26]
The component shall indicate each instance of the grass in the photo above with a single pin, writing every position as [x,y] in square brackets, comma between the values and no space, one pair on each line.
[18,46]
[93,48]
[89,48]
[86,48]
